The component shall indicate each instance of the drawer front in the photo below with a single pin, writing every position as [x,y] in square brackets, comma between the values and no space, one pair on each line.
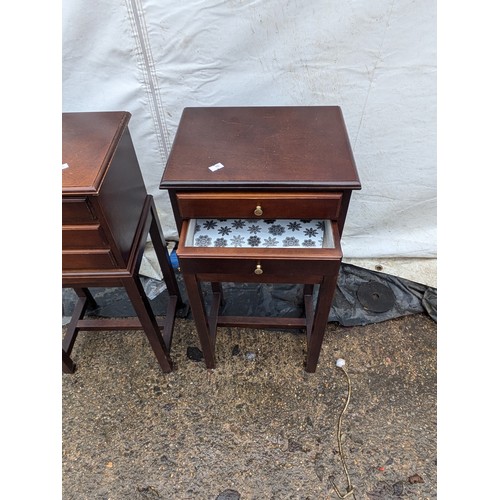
[278,264]
[83,237]
[74,260]
[77,211]
[258,269]
[296,205]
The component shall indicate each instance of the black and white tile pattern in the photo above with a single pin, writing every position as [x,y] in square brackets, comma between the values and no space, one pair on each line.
[259,233]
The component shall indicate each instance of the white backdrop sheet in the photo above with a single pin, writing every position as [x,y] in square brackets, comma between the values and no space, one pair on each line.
[374,58]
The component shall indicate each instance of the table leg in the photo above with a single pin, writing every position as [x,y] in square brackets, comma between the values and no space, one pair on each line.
[217,288]
[68,366]
[198,310]
[162,255]
[142,307]
[84,292]
[323,305]
[307,291]
[84,297]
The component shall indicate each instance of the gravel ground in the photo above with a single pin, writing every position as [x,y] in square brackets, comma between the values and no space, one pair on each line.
[258,426]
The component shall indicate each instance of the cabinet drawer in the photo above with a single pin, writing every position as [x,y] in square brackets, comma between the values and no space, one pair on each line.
[74,260]
[272,205]
[267,264]
[279,269]
[83,237]
[77,211]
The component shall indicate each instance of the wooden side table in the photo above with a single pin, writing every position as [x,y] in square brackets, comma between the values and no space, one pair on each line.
[275,172]
[106,219]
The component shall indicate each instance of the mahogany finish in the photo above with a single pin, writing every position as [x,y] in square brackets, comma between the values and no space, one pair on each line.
[262,147]
[107,216]
[272,204]
[278,163]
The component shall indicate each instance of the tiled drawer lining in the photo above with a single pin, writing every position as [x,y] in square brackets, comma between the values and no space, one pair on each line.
[257,233]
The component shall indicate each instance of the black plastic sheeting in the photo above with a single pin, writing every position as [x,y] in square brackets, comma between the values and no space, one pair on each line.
[410,297]
[401,296]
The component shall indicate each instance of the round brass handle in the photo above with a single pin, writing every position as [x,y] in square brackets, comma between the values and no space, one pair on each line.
[258,210]
[258,269]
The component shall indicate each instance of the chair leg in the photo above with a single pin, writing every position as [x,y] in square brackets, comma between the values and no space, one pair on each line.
[140,302]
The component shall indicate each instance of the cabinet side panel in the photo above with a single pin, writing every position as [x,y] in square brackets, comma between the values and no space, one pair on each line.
[122,195]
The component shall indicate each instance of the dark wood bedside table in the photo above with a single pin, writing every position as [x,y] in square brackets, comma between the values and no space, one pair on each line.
[276,172]
[106,218]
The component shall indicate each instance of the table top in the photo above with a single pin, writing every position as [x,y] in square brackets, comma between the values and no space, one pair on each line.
[286,146]
[89,141]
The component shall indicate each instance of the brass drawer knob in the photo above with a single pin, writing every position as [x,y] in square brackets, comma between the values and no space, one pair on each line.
[258,269]
[258,210]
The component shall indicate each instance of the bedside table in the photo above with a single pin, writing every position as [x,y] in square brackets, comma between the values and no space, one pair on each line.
[106,218]
[260,194]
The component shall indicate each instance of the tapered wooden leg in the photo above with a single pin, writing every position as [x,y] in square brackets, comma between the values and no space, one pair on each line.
[68,366]
[323,305]
[162,255]
[195,297]
[308,289]
[144,312]
[84,298]
[217,288]
[84,292]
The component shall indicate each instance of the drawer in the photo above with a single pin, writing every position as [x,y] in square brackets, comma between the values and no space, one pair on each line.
[263,205]
[77,211]
[75,260]
[278,263]
[83,237]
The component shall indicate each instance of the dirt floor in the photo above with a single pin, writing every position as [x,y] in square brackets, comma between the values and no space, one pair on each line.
[258,426]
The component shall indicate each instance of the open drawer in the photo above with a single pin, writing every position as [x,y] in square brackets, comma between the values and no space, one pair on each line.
[246,250]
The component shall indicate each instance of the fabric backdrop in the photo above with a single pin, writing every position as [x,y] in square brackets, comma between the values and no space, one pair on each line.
[374,58]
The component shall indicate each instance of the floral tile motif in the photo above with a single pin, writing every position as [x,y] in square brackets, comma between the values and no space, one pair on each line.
[258,233]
